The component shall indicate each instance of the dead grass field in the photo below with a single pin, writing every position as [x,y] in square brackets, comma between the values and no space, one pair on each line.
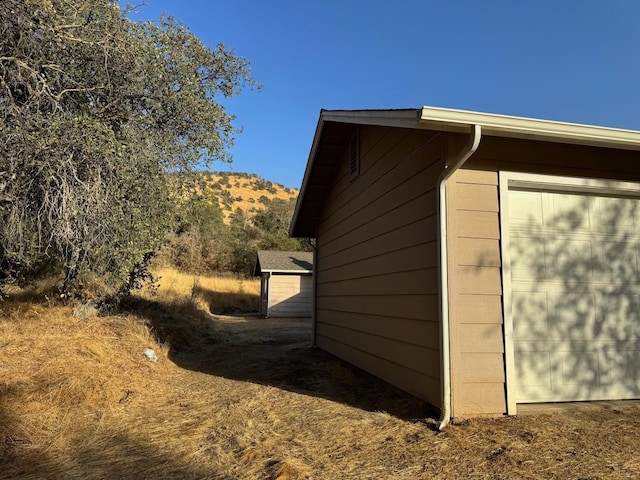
[240,397]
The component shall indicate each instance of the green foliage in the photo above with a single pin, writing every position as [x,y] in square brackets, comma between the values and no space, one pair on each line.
[242,240]
[275,218]
[204,243]
[94,111]
[273,223]
[200,214]
[199,242]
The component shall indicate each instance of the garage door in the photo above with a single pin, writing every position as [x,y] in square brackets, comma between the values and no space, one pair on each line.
[575,295]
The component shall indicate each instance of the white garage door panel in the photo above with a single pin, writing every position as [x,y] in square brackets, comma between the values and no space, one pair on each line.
[575,296]
[621,366]
[557,372]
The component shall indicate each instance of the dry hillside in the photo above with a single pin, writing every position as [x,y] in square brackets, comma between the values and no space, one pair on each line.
[246,191]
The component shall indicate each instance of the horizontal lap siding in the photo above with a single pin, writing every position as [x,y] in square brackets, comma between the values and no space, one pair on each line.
[290,295]
[477,345]
[377,261]
[497,154]
[421,385]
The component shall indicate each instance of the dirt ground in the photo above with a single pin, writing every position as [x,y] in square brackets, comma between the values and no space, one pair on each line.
[251,399]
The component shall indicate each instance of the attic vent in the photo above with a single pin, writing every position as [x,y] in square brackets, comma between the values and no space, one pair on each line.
[354,156]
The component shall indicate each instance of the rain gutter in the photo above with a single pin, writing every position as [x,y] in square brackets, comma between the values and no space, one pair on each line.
[461,158]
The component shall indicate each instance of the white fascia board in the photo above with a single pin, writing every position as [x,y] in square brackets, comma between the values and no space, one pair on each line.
[521,127]
[406,118]
[307,173]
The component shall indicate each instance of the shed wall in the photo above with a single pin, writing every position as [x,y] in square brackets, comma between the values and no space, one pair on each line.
[290,295]
[477,345]
[377,296]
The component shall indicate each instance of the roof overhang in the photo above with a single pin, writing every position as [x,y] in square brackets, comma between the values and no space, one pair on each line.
[438,119]
[449,120]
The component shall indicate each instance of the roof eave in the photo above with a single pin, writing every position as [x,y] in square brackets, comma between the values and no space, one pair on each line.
[307,173]
[405,118]
[445,119]
[451,120]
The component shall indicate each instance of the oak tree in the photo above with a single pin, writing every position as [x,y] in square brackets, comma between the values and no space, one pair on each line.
[95,111]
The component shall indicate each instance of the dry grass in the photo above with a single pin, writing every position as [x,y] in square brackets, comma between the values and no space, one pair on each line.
[212,294]
[239,397]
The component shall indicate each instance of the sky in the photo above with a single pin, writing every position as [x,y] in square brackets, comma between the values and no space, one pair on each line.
[566,60]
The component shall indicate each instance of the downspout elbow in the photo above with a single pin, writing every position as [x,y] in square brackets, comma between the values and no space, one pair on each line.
[445,341]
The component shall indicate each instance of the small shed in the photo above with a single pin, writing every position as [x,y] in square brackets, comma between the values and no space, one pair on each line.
[286,283]
[478,261]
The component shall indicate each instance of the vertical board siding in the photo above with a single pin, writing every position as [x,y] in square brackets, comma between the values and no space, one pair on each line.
[290,295]
[376,300]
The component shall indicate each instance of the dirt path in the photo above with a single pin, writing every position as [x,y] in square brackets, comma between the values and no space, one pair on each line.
[279,405]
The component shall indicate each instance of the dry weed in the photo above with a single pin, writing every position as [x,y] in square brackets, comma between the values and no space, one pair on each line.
[249,398]
[211,294]
[290,469]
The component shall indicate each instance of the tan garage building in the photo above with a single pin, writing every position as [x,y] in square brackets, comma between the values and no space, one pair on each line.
[478,261]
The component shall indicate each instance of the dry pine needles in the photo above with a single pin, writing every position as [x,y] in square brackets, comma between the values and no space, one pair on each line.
[240,397]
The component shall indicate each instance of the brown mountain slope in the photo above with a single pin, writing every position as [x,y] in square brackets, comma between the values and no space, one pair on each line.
[246,191]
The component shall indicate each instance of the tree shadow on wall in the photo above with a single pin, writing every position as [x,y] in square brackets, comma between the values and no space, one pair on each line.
[575,290]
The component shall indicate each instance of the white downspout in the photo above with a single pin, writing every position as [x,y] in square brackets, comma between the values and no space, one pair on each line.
[461,158]
[314,283]
[268,295]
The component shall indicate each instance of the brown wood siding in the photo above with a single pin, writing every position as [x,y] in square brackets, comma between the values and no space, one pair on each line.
[377,303]
[477,343]
[290,295]
[421,385]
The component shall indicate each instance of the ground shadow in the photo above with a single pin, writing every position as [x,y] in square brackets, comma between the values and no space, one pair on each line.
[228,302]
[274,352]
[85,458]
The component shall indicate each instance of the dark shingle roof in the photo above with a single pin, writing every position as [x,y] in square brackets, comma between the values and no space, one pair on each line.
[284,262]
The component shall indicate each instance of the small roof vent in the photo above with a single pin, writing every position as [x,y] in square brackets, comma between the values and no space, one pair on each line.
[354,155]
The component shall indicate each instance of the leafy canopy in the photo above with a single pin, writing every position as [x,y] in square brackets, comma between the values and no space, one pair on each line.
[95,109]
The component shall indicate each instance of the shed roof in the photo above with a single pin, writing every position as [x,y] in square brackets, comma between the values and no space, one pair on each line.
[283,262]
[335,127]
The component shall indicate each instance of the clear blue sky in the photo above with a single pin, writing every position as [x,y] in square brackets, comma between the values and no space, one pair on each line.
[570,60]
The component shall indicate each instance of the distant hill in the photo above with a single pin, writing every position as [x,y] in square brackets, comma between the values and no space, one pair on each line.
[246,191]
